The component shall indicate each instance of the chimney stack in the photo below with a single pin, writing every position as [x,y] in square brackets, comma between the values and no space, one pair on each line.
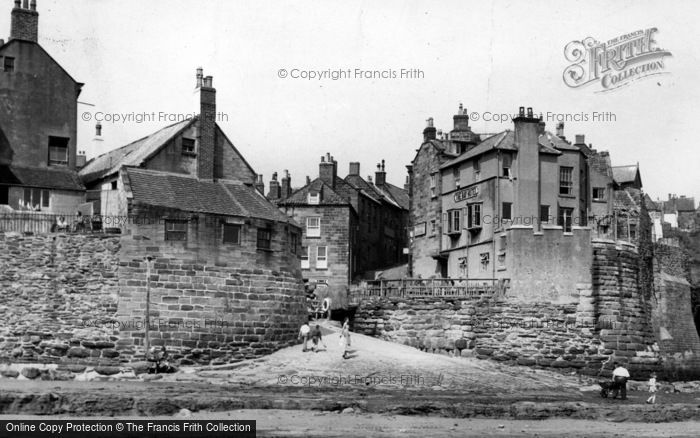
[560,130]
[580,139]
[308,180]
[354,169]
[380,175]
[260,184]
[286,185]
[80,160]
[205,94]
[429,131]
[274,193]
[25,22]
[327,170]
[461,119]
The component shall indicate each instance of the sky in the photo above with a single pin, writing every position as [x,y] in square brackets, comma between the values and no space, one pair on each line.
[140,57]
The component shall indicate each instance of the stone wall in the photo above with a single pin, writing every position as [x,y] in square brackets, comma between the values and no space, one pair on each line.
[53,287]
[81,299]
[607,322]
[673,318]
[205,311]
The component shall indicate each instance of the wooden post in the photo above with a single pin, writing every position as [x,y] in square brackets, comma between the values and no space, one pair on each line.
[148,305]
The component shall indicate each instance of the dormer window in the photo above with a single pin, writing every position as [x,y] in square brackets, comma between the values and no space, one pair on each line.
[314,198]
[188,146]
[9,64]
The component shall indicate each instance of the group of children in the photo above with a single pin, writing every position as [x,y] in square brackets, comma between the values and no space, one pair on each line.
[316,336]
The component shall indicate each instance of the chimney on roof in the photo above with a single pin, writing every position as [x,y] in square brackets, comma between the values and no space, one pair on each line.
[308,180]
[580,139]
[274,193]
[407,183]
[380,175]
[429,131]
[25,22]
[354,168]
[286,185]
[205,101]
[461,119]
[327,170]
[560,130]
[260,184]
[80,160]
[369,178]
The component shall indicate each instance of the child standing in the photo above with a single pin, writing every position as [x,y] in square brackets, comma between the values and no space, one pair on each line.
[652,389]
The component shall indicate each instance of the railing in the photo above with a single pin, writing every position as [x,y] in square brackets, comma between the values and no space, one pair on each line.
[432,287]
[42,223]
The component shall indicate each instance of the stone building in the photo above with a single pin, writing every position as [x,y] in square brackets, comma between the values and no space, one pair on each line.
[679,211]
[351,226]
[38,123]
[467,193]
[185,197]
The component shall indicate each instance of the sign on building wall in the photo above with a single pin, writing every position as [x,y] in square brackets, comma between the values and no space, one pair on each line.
[466,193]
[419,229]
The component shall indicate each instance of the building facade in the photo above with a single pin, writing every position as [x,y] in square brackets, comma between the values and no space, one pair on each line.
[352,226]
[38,123]
[468,193]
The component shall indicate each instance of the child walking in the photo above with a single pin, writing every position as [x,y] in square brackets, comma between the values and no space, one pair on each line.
[652,389]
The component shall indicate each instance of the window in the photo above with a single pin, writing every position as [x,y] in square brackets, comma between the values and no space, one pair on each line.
[322,257]
[264,238]
[566,182]
[188,146]
[453,222]
[474,219]
[455,176]
[175,230]
[114,185]
[565,218]
[599,193]
[544,214]
[507,214]
[4,195]
[433,227]
[484,258]
[35,198]
[305,257]
[58,151]
[477,170]
[232,234]
[314,198]
[507,162]
[45,196]
[313,227]
[293,242]
[9,64]
[433,185]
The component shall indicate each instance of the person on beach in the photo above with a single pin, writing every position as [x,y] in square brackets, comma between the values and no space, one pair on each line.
[345,338]
[304,335]
[316,337]
[620,376]
[652,389]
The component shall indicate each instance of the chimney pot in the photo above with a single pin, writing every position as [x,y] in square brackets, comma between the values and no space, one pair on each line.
[529,112]
[17,4]
[323,159]
[25,4]
[308,180]
[98,129]
[522,111]
[32,5]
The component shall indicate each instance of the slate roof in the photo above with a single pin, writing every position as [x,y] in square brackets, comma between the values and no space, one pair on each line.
[680,204]
[328,195]
[400,195]
[133,154]
[504,140]
[47,178]
[186,193]
[361,184]
[624,174]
